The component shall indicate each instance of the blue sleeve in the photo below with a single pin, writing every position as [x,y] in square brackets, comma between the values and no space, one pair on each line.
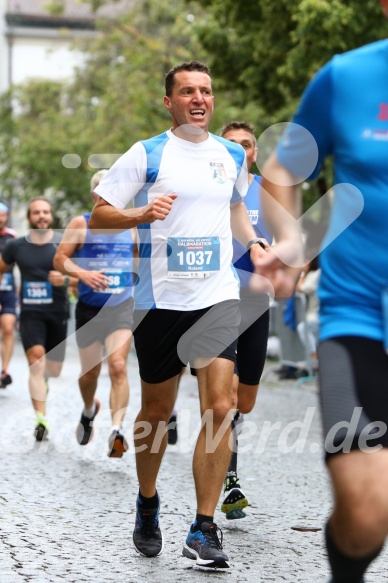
[314,114]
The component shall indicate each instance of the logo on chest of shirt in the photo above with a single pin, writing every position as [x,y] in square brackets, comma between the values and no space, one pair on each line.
[379,134]
[218,172]
[383,114]
[254,216]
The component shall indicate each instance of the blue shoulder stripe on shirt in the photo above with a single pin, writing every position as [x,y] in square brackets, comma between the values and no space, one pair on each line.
[154,149]
[235,150]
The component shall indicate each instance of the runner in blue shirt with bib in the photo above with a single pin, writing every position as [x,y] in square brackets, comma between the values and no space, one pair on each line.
[104,266]
[344,113]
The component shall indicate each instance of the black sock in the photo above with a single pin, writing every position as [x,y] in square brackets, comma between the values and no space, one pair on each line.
[346,569]
[199,520]
[233,458]
[148,503]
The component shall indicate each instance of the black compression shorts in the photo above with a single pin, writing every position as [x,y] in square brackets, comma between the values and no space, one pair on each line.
[353,374]
[253,337]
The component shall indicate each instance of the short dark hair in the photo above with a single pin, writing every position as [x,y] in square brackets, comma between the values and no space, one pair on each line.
[240,125]
[35,199]
[187,66]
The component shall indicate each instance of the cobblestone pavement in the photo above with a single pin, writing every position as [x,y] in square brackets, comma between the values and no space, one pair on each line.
[67,512]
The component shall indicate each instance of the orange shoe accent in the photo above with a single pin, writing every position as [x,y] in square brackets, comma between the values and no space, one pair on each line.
[119,446]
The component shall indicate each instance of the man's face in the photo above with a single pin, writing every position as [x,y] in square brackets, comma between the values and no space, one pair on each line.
[192,99]
[40,216]
[3,219]
[245,139]
[384,4]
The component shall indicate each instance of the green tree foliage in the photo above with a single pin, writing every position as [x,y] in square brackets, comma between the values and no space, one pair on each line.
[37,130]
[270,50]
[57,7]
[125,71]
[114,100]
[262,54]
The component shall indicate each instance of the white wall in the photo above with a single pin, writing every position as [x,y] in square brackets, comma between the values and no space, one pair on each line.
[49,58]
[3,50]
[29,52]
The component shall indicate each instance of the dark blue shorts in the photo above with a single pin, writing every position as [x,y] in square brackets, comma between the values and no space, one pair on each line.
[8,302]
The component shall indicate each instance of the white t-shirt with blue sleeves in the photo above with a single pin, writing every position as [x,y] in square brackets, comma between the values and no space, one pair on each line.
[185,260]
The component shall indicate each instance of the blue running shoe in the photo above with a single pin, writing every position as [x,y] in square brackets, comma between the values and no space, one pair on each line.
[205,547]
[147,536]
[235,514]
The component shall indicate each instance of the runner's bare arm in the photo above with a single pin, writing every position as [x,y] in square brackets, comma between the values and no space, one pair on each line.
[106,217]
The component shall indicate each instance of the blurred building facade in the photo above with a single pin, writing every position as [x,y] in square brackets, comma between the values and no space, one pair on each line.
[35,43]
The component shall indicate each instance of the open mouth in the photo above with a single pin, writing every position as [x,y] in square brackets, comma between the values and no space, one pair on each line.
[198,113]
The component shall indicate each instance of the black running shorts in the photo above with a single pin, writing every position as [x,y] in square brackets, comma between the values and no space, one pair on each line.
[166,340]
[353,375]
[45,328]
[253,337]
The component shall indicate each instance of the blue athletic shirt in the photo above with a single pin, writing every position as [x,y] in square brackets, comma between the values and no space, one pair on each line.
[345,108]
[241,259]
[113,254]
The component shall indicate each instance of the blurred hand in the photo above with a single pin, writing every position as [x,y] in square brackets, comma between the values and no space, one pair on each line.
[97,280]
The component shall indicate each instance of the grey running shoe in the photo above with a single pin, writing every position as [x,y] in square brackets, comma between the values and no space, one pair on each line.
[204,547]
[147,536]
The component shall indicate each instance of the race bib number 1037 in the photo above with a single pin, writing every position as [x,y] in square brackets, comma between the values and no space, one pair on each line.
[193,257]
